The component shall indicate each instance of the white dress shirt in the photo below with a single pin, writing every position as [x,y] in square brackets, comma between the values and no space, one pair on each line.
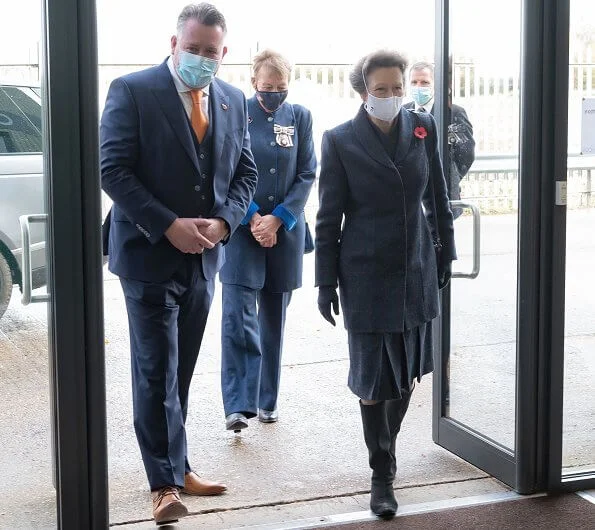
[427,107]
[184,91]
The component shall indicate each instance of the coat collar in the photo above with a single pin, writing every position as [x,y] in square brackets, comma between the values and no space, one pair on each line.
[366,135]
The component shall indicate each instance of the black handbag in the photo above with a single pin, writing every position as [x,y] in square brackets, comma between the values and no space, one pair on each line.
[309,242]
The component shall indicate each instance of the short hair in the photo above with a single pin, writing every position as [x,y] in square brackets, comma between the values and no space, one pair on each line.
[204,13]
[273,60]
[422,65]
[373,61]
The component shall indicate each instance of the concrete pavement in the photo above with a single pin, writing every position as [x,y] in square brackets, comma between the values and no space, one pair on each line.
[315,454]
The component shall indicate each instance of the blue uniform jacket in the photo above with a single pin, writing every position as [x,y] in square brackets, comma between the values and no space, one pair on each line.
[373,238]
[285,177]
[151,170]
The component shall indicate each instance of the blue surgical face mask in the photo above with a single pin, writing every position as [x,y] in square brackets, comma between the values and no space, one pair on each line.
[195,70]
[421,94]
[271,101]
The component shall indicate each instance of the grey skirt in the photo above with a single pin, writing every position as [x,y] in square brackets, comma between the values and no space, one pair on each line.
[382,365]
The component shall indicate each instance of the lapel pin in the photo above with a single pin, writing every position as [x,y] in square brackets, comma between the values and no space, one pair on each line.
[224,106]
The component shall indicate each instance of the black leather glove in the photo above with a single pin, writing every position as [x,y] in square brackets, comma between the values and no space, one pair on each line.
[444,273]
[327,298]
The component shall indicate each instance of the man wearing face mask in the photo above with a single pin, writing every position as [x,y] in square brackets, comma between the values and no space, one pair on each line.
[176,160]
[265,255]
[383,205]
[461,144]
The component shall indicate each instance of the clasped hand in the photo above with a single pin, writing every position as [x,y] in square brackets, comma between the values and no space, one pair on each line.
[193,235]
[264,229]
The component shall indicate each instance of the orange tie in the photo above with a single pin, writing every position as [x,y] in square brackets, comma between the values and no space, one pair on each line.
[198,119]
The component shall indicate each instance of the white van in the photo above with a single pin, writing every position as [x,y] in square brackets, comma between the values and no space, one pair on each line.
[21,185]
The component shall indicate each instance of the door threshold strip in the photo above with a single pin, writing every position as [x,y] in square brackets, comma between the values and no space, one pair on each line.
[588,495]
[411,509]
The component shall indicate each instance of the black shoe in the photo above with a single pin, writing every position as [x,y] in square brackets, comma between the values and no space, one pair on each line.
[236,422]
[382,501]
[268,416]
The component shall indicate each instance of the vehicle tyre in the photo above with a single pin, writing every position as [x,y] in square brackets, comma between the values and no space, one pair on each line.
[5,284]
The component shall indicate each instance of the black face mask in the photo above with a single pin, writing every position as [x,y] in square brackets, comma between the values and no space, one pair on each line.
[271,100]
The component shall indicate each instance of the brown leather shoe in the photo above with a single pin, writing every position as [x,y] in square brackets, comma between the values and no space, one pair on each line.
[194,485]
[167,506]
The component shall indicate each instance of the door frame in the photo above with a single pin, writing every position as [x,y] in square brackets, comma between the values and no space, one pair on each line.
[75,280]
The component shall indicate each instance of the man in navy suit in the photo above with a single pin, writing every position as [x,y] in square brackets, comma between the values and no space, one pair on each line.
[176,160]
[461,145]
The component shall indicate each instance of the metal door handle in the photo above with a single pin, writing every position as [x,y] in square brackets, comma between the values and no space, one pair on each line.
[476,239]
[27,271]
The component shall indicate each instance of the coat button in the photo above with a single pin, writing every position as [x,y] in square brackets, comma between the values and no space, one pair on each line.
[202,156]
[270,118]
[271,198]
[272,171]
[204,176]
[273,144]
[197,188]
[203,197]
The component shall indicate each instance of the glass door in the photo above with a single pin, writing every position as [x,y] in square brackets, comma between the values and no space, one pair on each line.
[53,466]
[484,385]
[578,443]
[476,380]
[572,418]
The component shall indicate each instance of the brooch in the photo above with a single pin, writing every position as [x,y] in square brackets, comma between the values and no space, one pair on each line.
[283,135]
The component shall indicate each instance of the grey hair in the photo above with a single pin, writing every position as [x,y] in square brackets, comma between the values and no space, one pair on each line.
[371,62]
[422,65]
[205,13]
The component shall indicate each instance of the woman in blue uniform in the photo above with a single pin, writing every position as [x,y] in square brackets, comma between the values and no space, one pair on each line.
[380,175]
[264,256]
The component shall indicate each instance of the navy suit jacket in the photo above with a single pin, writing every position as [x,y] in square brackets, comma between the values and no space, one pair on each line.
[150,167]
[376,219]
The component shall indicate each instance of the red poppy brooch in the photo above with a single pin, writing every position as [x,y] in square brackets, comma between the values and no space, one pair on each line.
[420,132]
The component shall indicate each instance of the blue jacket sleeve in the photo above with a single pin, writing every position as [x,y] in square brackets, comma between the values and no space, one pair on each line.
[252,209]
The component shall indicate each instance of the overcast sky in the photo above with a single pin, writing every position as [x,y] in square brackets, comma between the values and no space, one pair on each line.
[308,31]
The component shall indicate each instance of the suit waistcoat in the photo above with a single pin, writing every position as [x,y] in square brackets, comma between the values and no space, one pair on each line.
[204,187]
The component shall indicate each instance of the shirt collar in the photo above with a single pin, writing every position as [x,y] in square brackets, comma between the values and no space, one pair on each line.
[428,106]
[181,87]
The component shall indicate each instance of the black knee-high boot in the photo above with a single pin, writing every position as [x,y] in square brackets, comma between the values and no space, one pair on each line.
[382,459]
[395,412]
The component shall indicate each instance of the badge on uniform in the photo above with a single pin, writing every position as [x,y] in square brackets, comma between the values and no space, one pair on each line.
[283,135]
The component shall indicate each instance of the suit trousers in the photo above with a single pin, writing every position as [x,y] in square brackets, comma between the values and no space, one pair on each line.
[167,322]
[251,345]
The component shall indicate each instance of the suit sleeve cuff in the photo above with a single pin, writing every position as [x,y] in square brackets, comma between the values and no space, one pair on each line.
[253,208]
[289,220]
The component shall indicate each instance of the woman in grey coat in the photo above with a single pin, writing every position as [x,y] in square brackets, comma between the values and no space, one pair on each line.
[384,236]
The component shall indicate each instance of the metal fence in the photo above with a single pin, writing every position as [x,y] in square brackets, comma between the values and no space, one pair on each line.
[492,104]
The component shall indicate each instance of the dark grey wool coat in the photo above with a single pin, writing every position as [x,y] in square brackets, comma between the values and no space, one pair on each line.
[373,238]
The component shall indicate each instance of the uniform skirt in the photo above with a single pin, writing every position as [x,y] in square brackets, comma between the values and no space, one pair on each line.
[382,365]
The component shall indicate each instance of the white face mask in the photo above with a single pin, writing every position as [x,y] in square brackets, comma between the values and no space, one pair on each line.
[385,109]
